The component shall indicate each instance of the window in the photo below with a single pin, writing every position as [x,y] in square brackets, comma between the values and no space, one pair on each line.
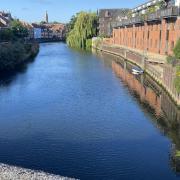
[107,14]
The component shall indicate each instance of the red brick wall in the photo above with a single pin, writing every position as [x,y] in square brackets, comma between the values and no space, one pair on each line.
[163,48]
[174,34]
[156,37]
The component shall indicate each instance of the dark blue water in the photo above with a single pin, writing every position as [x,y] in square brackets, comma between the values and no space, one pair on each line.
[69,113]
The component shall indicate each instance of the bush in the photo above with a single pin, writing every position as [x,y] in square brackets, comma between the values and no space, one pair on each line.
[18,29]
[14,54]
[176,50]
[172,60]
[177,79]
[88,44]
[97,42]
[6,35]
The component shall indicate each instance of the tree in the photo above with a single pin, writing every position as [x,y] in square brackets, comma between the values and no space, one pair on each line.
[72,22]
[18,29]
[176,50]
[43,22]
[6,35]
[177,79]
[85,28]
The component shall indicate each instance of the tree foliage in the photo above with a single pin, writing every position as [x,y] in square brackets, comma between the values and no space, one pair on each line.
[70,25]
[177,79]
[177,50]
[16,53]
[85,28]
[18,29]
[6,35]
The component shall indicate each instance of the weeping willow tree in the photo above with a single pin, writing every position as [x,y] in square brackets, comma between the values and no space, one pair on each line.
[84,29]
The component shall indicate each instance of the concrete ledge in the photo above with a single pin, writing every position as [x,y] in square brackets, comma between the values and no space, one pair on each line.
[152,57]
[15,173]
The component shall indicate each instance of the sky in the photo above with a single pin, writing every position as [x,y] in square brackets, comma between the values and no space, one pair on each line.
[59,10]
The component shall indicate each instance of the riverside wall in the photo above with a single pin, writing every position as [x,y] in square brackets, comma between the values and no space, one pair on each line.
[164,74]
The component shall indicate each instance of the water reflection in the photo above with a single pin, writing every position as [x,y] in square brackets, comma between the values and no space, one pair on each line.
[7,77]
[152,98]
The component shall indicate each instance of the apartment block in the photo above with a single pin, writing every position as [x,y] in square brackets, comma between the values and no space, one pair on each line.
[153,27]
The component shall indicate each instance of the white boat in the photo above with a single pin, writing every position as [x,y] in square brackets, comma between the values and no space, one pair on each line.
[137,71]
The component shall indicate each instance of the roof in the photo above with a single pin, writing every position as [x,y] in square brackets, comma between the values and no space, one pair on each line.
[52,26]
[146,4]
[113,12]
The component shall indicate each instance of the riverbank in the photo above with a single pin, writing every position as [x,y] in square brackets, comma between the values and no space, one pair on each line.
[162,73]
[12,172]
[15,54]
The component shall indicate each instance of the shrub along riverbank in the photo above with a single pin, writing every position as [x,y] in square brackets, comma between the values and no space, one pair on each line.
[175,61]
[14,54]
[14,50]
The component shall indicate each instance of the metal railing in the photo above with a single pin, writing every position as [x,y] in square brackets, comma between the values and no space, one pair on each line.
[173,11]
[164,13]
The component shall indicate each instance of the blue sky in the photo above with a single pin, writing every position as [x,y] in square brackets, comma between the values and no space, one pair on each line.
[59,10]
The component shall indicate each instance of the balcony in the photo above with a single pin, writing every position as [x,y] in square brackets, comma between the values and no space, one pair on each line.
[158,15]
[164,13]
[170,12]
[137,20]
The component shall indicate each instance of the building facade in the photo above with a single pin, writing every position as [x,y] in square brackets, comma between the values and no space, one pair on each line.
[153,27]
[49,31]
[108,18]
[5,19]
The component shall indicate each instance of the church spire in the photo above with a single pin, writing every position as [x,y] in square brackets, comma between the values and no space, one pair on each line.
[46,17]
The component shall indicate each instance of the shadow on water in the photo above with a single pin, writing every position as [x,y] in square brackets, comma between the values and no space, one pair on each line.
[7,77]
[153,100]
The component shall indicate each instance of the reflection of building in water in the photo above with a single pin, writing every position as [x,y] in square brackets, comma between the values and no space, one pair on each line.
[146,94]
[152,98]
[167,114]
[150,94]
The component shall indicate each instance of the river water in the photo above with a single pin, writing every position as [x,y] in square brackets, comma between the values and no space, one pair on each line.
[86,116]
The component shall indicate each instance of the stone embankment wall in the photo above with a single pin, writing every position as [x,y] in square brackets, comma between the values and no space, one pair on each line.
[164,74]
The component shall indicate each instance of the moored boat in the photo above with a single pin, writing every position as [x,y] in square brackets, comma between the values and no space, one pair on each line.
[136,70]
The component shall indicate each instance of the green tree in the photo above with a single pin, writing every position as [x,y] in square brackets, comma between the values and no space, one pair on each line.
[177,79]
[84,29]
[18,29]
[71,23]
[6,35]
[16,53]
[176,50]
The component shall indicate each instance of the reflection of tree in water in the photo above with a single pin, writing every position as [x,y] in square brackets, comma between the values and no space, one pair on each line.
[6,78]
[154,101]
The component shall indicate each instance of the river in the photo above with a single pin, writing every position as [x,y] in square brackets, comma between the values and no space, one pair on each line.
[86,116]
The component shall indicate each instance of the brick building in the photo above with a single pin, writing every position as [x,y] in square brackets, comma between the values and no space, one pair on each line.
[109,18]
[49,31]
[153,26]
